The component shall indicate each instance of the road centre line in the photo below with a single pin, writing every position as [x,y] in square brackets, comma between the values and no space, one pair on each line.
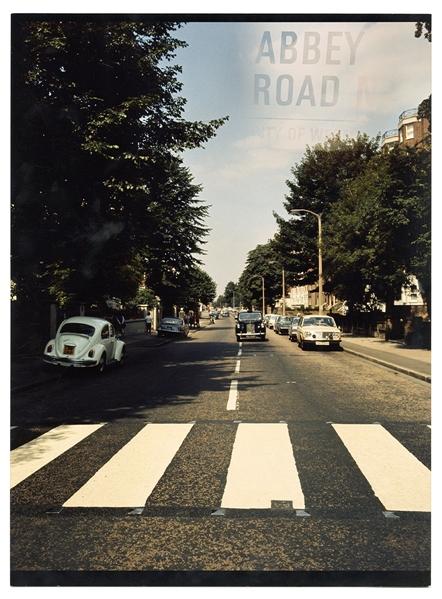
[233,395]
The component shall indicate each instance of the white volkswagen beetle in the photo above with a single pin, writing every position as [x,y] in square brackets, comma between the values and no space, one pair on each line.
[85,342]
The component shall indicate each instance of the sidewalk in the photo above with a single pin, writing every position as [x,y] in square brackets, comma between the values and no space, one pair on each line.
[30,370]
[391,354]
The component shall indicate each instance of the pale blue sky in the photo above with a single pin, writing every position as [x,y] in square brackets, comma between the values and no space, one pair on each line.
[347,76]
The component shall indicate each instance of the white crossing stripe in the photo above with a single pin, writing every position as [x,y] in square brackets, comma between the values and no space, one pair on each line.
[399,480]
[233,395]
[262,468]
[32,456]
[130,476]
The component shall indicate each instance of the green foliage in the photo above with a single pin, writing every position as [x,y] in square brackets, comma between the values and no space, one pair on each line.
[99,192]
[231,294]
[420,26]
[318,181]
[424,111]
[378,233]
[198,288]
[263,262]
[375,210]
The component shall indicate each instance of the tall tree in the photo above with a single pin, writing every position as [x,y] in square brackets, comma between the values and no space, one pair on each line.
[317,184]
[100,196]
[378,233]
[196,287]
[263,268]
[231,294]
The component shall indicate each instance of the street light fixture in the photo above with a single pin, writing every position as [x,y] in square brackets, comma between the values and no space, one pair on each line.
[263,299]
[318,216]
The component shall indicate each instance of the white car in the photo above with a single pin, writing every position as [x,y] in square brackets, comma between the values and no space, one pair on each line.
[314,331]
[85,342]
[270,321]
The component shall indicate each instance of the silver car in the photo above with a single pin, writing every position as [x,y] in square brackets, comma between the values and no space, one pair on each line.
[292,328]
[314,331]
[173,326]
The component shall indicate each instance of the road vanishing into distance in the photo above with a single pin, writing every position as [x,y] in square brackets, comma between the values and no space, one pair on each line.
[205,461]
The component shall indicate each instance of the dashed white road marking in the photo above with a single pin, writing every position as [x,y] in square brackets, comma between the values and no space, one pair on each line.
[238,365]
[32,456]
[233,395]
[130,476]
[262,468]
[399,480]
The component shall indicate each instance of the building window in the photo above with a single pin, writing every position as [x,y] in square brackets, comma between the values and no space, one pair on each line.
[401,136]
[409,131]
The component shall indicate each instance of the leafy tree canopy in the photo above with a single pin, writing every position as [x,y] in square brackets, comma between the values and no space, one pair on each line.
[317,184]
[420,26]
[263,262]
[378,232]
[100,196]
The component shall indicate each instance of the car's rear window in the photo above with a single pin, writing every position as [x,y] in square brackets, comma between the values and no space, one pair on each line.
[78,328]
[171,321]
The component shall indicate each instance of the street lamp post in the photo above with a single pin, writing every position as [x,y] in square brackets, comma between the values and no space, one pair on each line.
[263,298]
[318,216]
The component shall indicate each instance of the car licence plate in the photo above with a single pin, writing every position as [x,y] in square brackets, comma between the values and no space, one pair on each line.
[322,343]
[68,350]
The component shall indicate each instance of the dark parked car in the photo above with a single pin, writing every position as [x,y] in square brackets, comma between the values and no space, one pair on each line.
[250,325]
[173,326]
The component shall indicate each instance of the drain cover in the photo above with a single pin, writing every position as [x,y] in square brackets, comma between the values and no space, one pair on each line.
[281,505]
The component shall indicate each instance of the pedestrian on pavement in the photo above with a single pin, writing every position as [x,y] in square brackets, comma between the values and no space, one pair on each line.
[197,319]
[148,319]
[119,323]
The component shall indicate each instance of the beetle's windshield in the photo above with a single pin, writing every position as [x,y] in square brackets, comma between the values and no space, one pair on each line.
[78,328]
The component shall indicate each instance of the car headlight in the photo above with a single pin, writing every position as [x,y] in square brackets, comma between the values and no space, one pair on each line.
[49,349]
[308,334]
[91,353]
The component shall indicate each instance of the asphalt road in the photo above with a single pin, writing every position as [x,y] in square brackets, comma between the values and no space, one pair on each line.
[208,462]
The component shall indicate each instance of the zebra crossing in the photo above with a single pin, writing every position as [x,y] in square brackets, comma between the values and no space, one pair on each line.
[262,471]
